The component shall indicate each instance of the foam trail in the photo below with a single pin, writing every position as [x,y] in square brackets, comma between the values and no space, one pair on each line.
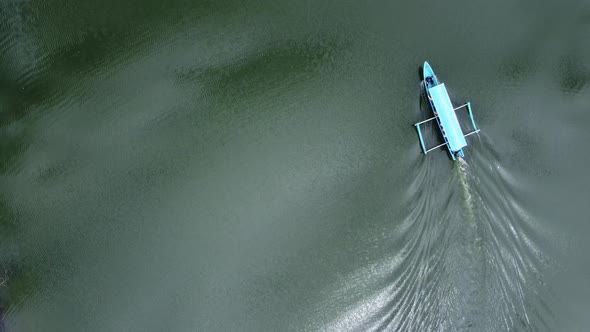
[464,173]
[465,256]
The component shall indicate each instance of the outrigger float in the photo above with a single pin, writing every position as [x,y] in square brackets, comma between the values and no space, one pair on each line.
[445,116]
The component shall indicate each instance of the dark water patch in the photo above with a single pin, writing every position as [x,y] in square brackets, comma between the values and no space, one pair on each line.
[13,142]
[526,147]
[11,265]
[573,76]
[53,172]
[8,225]
[516,67]
[64,41]
[285,63]
[20,62]
[20,276]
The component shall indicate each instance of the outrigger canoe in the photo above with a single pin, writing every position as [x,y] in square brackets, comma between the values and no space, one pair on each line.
[445,116]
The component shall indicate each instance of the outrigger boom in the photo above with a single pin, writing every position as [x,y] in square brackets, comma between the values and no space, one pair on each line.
[445,116]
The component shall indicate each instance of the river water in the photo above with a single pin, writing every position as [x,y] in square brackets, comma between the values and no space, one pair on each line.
[252,166]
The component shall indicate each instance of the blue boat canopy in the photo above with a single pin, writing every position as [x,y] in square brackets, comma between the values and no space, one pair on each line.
[448,119]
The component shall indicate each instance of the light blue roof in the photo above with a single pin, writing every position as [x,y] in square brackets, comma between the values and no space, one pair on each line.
[447,116]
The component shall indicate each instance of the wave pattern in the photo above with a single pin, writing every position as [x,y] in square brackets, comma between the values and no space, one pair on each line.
[466,258]
[473,254]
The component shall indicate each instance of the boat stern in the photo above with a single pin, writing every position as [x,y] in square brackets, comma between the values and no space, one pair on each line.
[457,154]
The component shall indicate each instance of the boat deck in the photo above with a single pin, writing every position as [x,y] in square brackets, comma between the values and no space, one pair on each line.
[447,117]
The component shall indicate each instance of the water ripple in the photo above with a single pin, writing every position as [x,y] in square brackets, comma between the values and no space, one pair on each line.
[466,257]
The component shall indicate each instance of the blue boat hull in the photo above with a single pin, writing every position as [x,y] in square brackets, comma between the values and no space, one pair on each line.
[430,81]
